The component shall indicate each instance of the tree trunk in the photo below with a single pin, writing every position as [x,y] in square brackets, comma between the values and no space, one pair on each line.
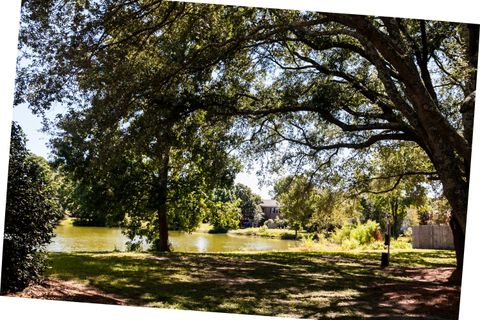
[456,192]
[394,210]
[459,242]
[162,242]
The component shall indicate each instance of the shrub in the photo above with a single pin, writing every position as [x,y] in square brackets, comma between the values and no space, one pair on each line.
[407,235]
[365,233]
[218,229]
[288,236]
[270,224]
[307,242]
[342,233]
[262,229]
[258,218]
[362,234]
[31,214]
[136,244]
[403,242]
[281,223]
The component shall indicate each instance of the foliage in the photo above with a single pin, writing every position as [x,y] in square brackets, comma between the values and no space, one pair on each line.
[373,210]
[31,214]
[249,202]
[342,233]
[387,168]
[122,181]
[353,235]
[258,218]
[437,211]
[224,212]
[411,219]
[321,90]
[350,244]
[306,206]
[263,231]
[307,243]
[275,223]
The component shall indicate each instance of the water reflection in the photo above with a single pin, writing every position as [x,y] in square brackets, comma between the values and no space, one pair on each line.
[70,238]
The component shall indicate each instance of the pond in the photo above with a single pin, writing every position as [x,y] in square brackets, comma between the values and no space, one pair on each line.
[71,238]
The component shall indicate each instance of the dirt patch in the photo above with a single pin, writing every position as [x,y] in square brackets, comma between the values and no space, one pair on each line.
[52,289]
[424,291]
[438,275]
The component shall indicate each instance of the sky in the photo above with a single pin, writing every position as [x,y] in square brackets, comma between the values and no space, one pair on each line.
[37,143]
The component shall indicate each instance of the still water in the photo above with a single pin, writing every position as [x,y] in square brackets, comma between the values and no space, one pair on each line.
[71,238]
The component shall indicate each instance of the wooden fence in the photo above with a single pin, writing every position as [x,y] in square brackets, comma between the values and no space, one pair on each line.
[432,237]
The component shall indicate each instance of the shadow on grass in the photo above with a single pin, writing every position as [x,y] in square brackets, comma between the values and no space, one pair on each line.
[307,285]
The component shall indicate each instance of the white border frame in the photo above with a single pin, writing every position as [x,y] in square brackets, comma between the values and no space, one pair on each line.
[459,11]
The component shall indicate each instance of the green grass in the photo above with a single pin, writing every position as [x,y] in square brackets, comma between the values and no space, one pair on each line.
[268,233]
[297,284]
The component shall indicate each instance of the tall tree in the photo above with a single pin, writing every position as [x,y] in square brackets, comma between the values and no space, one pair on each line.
[133,181]
[136,135]
[31,214]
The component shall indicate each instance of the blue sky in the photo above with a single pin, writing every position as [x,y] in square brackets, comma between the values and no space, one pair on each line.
[32,125]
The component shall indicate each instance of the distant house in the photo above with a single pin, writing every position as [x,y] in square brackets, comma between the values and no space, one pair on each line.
[270,208]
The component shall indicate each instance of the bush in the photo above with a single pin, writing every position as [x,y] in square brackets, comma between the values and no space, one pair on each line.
[262,229]
[31,214]
[276,224]
[258,218]
[307,242]
[288,236]
[363,234]
[403,242]
[218,229]
[343,233]
[137,244]
[270,224]
[281,223]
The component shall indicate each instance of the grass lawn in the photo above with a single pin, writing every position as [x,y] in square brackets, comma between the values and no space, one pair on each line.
[307,285]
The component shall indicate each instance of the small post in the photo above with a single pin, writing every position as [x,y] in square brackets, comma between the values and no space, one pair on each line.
[386,255]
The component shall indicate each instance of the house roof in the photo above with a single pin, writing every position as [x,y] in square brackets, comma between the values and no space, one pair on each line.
[269,203]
